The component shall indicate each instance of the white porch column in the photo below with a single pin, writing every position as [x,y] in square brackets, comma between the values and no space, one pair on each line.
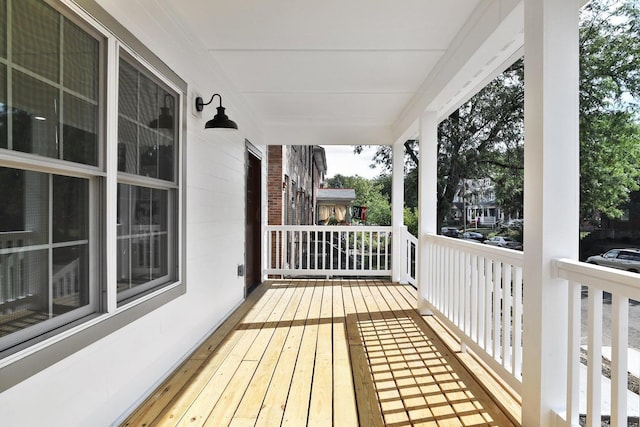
[427,199]
[397,211]
[551,196]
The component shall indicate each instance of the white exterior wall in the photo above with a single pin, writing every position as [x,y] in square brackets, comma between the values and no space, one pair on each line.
[100,384]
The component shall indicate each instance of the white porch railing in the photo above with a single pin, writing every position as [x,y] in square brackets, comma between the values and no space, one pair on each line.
[295,250]
[614,290]
[476,290]
[409,258]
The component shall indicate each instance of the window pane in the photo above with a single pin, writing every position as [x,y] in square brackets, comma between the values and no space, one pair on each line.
[127,146]
[24,217]
[35,116]
[39,279]
[80,131]
[80,62]
[128,91]
[24,289]
[148,153]
[143,254]
[165,160]
[3,106]
[147,101]
[124,268]
[3,28]
[70,209]
[70,278]
[142,210]
[164,120]
[147,126]
[36,37]
[124,214]
[159,210]
[160,267]
[140,260]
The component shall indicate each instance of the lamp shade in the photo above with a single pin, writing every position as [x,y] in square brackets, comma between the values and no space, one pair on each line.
[220,121]
[164,121]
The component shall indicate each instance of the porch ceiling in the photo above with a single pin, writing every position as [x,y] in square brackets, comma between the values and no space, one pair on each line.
[359,71]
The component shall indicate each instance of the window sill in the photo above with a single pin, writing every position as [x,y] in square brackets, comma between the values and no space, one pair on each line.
[20,364]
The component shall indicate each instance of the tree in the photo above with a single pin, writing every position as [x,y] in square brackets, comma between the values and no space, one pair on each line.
[609,90]
[473,141]
[484,137]
[369,193]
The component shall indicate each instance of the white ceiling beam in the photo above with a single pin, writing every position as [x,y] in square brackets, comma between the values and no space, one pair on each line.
[329,134]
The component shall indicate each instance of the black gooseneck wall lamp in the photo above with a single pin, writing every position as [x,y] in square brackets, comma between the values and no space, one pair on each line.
[220,120]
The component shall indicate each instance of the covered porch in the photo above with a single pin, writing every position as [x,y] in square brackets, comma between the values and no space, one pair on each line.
[520,313]
[355,350]
[375,352]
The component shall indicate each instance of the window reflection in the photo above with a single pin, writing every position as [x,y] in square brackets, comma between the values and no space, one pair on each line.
[3,28]
[41,276]
[3,107]
[35,116]
[36,41]
[54,69]
[80,131]
[146,126]
[143,255]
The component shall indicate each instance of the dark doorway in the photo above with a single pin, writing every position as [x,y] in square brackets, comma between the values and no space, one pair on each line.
[253,273]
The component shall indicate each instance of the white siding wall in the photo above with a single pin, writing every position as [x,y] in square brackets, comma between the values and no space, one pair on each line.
[101,383]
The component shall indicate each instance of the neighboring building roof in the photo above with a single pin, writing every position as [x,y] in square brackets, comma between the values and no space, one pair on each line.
[320,157]
[336,194]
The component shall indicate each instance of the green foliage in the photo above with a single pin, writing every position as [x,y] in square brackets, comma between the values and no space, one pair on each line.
[369,193]
[609,90]
[509,183]
[609,159]
[484,137]
[411,220]
[477,140]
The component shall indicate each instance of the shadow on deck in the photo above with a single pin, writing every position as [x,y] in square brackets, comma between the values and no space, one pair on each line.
[316,352]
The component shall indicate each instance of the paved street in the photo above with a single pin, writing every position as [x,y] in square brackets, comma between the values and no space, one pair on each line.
[634,321]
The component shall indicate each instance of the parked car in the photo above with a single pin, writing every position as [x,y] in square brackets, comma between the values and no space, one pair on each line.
[450,232]
[515,224]
[504,242]
[472,235]
[623,259]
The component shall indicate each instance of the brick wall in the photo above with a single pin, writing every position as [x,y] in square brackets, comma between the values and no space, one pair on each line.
[274,185]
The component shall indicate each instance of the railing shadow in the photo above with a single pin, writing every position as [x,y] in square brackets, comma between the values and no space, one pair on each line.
[404,378]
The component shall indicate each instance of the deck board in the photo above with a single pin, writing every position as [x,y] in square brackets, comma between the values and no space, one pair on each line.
[323,353]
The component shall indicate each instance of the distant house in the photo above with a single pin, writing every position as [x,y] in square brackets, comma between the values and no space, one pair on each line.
[336,203]
[295,173]
[475,203]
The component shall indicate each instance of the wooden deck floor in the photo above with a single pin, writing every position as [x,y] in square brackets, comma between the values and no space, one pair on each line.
[315,352]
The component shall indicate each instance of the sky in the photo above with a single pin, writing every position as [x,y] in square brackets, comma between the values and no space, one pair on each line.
[341,160]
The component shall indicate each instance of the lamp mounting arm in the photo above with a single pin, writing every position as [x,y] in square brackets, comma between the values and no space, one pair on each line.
[200,102]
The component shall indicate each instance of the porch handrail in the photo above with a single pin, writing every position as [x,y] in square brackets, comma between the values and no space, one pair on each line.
[409,257]
[623,287]
[464,289]
[325,250]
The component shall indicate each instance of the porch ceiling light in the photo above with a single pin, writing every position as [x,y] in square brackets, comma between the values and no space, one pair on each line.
[220,120]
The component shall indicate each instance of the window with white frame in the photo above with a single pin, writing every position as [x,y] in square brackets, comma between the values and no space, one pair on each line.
[54,175]
[49,108]
[147,202]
